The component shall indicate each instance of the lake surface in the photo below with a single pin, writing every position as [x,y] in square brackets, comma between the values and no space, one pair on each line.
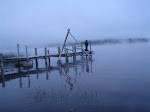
[117,79]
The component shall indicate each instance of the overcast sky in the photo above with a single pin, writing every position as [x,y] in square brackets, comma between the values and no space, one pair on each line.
[46,21]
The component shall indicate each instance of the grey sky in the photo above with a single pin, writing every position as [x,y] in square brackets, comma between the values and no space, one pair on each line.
[46,21]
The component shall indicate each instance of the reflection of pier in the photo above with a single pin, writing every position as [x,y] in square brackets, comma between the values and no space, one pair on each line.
[83,63]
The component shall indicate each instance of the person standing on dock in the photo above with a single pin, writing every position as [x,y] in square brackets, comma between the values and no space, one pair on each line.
[86,45]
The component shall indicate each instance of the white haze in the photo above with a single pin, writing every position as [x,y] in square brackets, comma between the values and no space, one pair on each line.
[42,22]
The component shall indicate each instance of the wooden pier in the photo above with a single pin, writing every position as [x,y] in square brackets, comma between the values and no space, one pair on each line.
[77,50]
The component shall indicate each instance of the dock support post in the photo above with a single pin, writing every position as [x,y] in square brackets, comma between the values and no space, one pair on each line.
[58,50]
[36,59]
[2,72]
[26,52]
[18,51]
[82,49]
[66,54]
[48,52]
[2,66]
[90,48]
[74,48]
[46,56]
[49,60]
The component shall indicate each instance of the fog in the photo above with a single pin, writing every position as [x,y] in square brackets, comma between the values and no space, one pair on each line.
[42,22]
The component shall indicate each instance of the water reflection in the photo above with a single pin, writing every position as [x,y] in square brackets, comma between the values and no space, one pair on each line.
[63,70]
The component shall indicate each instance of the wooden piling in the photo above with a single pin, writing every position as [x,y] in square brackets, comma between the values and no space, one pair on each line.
[66,54]
[35,51]
[90,48]
[46,56]
[49,61]
[36,59]
[26,52]
[58,50]
[2,66]
[90,45]
[82,49]
[18,51]
[48,52]
[74,52]
[2,72]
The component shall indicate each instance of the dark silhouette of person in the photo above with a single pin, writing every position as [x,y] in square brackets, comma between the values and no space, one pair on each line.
[86,45]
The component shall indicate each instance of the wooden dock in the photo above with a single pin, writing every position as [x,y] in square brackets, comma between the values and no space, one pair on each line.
[77,50]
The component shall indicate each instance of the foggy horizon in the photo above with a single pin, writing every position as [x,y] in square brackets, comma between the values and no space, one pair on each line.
[43,22]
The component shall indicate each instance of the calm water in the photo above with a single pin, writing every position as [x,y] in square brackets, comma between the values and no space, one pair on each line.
[117,79]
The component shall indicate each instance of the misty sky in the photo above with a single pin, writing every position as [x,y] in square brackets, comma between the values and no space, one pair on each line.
[46,21]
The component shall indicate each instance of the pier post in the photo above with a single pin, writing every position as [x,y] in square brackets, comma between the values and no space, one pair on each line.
[66,54]
[49,60]
[2,66]
[2,72]
[46,56]
[90,48]
[48,52]
[82,49]
[18,51]
[58,50]
[26,52]
[36,59]
[74,47]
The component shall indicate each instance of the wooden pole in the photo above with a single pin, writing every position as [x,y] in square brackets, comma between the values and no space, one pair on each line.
[58,50]
[49,61]
[82,48]
[90,48]
[59,59]
[2,67]
[18,51]
[66,54]
[74,51]
[48,52]
[46,56]
[90,45]
[2,72]
[36,59]
[35,51]
[26,52]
